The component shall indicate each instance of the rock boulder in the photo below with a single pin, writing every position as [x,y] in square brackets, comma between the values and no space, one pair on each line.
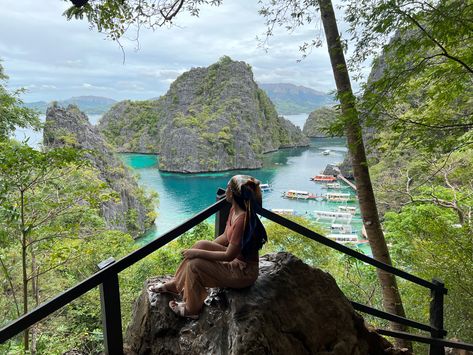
[291,309]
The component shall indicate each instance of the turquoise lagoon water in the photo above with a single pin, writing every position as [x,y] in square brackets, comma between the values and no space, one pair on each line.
[183,195]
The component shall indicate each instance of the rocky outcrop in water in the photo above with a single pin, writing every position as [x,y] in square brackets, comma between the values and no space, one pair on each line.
[343,168]
[319,121]
[133,211]
[291,309]
[211,119]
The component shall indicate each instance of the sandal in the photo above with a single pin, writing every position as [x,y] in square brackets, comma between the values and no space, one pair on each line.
[160,287]
[179,308]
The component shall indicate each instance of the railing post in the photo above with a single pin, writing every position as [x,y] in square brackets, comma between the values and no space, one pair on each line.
[436,317]
[222,215]
[111,313]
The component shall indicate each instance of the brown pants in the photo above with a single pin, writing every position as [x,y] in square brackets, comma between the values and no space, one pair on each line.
[194,275]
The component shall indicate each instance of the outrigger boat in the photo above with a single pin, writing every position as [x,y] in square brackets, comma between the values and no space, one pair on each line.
[349,209]
[338,197]
[283,211]
[332,215]
[341,228]
[299,195]
[265,187]
[343,238]
[323,178]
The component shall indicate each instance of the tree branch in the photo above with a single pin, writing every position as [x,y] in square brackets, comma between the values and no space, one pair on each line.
[7,275]
[171,13]
[437,43]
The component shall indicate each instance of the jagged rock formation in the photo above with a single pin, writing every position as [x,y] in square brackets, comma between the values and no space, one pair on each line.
[134,211]
[291,309]
[343,168]
[211,119]
[318,121]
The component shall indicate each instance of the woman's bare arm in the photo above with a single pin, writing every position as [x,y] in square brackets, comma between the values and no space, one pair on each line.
[221,239]
[228,255]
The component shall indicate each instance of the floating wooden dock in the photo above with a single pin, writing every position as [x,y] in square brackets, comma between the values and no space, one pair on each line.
[345,180]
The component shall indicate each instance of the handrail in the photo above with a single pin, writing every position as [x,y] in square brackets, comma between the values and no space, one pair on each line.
[47,308]
[346,250]
[424,339]
[391,317]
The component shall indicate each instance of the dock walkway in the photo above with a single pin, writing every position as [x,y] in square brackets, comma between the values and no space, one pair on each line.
[348,182]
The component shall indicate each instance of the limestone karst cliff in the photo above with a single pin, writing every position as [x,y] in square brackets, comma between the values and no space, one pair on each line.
[319,121]
[291,309]
[133,211]
[211,119]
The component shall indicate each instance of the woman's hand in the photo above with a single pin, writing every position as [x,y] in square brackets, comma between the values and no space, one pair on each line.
[190,253]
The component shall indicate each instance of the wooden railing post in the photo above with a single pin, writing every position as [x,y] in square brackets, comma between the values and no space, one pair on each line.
[111,313]
[222,215]
[436,317]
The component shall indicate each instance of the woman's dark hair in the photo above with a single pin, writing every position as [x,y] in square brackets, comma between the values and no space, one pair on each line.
[249,198]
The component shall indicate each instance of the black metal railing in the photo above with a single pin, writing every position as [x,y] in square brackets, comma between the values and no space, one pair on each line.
[107,279]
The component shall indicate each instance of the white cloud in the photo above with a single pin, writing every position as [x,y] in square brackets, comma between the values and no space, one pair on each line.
[57,59]
[89,87]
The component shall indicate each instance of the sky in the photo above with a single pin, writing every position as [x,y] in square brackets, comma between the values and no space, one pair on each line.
[55,59]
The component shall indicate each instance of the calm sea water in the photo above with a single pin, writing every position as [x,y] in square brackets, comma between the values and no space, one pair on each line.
[183,195]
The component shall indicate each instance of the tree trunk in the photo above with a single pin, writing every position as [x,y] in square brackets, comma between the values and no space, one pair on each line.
[24,266]
[369,212]
[35,292]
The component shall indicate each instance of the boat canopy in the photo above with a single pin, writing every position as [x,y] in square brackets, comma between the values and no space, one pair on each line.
[296,192]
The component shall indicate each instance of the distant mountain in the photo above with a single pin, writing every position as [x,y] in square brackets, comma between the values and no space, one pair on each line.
[92,105]
[292,99]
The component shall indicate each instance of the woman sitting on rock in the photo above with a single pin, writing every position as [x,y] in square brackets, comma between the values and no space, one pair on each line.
[231,260]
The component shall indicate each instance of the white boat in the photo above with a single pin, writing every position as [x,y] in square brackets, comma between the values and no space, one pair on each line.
[349,209]
[341,228]
[343,238]
[332,185]
[265,187]
[299,195]
[332,215]
[338,197]
[326,152]
[283,211]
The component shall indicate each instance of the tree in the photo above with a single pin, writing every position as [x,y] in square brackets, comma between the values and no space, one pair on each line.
[12,114]
[292,15]
[421,82]
[391,297]
[428,240]
[116,17]
[45,196]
